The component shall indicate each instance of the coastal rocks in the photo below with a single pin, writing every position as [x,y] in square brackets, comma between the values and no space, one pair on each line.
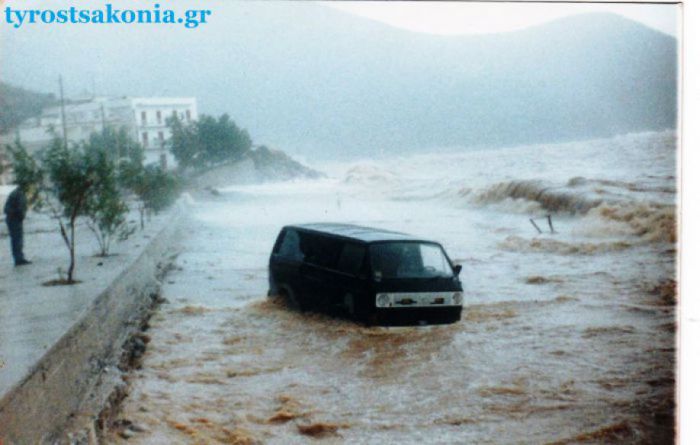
[260,165]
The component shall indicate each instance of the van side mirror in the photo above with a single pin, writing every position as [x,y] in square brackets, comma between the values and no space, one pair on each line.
[457,268]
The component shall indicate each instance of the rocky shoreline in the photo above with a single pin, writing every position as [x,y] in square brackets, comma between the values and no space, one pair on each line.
[257,166]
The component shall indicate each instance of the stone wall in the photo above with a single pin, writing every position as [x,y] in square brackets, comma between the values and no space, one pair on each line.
[54,392]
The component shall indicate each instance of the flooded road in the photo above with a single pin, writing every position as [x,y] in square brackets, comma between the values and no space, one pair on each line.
[565,337]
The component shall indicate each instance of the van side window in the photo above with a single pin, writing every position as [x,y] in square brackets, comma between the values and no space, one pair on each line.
[289,248]
[320,250]
[352,258]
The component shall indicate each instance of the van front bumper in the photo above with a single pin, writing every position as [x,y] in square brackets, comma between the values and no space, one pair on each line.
[406,316]
[418,299]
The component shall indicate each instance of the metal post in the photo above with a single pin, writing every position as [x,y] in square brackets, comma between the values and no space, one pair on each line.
[102,112]
[536,227]
[63,112]
[549,220]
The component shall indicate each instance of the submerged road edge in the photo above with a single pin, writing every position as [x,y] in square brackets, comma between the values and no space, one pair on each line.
[68,387]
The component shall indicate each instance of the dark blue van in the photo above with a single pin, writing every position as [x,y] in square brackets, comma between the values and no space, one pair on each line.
[376,276]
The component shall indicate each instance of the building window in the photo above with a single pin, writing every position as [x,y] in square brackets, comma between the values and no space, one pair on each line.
[143,117]
[188,115]
[159,117]
[161,137]
[144,137]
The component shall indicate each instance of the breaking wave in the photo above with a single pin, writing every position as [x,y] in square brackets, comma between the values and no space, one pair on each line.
[610,201]
[650,221]
[370,175]
[546,245]
[549,197]
[620,187]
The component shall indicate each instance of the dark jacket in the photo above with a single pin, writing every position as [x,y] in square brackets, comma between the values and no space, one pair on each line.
[16,205]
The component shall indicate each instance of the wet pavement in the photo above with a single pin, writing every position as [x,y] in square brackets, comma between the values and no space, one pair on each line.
[33,317]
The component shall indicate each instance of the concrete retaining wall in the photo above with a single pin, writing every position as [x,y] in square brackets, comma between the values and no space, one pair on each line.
[54,392]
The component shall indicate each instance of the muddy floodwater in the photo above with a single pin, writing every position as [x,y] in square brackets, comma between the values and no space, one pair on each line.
[566,337]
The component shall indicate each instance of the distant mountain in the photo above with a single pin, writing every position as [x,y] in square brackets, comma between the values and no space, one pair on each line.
[311,79]
[18,104]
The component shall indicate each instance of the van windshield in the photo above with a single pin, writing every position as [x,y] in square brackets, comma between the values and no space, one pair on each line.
[409,260]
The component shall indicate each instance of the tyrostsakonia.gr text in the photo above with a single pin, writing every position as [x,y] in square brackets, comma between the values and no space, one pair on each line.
[107,15]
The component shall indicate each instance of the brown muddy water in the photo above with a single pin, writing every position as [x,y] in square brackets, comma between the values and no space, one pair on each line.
[566,337]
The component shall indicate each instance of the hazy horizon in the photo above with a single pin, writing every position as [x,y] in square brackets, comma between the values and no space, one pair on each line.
[317,81]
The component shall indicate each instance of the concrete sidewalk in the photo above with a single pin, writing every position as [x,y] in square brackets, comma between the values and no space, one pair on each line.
[34,318]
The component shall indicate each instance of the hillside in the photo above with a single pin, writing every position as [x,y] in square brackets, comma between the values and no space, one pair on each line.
[320,82]
[18,104]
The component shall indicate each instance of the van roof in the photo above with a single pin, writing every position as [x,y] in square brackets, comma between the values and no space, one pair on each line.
[358,233]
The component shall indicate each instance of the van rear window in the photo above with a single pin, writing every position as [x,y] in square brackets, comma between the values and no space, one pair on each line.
[289,247]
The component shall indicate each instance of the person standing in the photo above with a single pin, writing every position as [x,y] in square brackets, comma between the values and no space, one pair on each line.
[15,211]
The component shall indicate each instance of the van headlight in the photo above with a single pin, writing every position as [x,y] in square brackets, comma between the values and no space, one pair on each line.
[457,298]
[383,300]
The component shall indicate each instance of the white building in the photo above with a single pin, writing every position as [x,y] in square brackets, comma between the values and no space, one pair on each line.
[144,117]
[150,128]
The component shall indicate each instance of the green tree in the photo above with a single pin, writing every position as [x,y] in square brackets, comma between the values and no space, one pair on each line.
[71,183]
[159,188]
[221,139]
[155,188]
[82,182]
[90,180]
[117,143]
[184,144]
[27,170]
[106,209]
[207,142]
[130,167]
